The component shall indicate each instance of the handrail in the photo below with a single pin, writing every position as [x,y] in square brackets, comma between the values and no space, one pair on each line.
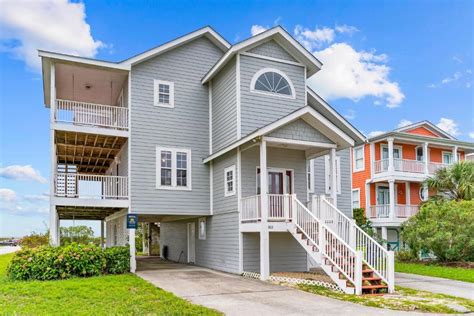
[250,208]
[78,185]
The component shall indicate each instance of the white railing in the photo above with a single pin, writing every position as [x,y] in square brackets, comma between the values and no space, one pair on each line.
[91,114]
[329,244]
[380,211]
[374,255]
[405,211]
[76,185]
[407,165]
[434,166]
[250,208]
[380,165]
[330,216]
[279,206]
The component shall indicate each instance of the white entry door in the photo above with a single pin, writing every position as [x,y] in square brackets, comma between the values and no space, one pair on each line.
[191,242]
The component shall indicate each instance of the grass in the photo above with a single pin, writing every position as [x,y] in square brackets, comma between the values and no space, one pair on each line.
[403,300]
[104,295]
[453,273]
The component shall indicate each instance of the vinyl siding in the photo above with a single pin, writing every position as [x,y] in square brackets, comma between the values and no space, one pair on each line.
[300,130]
[121,230]
[184,126]
[272,49]
[220,249]
[251,252]
[224,203]
[258,110]
[224,107]
[276,158]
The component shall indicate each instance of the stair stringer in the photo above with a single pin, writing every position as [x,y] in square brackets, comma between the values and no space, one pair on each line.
[319,257]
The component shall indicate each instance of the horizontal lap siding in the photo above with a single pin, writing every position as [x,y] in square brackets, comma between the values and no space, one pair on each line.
[286,254]
[258,110]
[271,49]
[224,203]
[251,252]
[174,236]
[184,126]
[224,107]
[300,130]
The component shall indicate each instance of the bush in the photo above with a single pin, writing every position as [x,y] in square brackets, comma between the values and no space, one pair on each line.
[444,228]
[35,240]
[52,263]
[405,255]
[79,234]
[117,260]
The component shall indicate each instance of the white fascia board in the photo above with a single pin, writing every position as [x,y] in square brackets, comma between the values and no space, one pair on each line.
[82,60]
[298,142]
[214,36]
[429,125]
[336,114]
[285,120]
[255,39]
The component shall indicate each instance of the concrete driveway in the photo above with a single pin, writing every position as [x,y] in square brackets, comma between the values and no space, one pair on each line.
[236,295]
[435,285]
[8,249]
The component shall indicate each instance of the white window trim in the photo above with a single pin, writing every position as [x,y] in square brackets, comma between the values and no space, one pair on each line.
[421,189]
[451,154]
[156,92]
[352,197]
[311,175]
[173,185]
[326,174]
[229,193]
[400,148]
[202,234]
[416,153]
[278,95]
[354,165]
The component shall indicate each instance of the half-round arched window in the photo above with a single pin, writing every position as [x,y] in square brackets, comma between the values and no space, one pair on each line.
[272,81]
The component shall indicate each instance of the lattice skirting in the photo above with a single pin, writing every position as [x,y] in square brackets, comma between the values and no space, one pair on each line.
[273,278]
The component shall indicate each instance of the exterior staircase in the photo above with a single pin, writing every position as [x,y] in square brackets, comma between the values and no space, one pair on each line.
[353,259]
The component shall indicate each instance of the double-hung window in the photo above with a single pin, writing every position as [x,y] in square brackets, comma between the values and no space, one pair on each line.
[173,168]
[355,198]
[164,93]
[327,162]
[229,181]
[358,158]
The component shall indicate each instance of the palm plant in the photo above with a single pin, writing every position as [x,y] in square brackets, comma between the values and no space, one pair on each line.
[455,182]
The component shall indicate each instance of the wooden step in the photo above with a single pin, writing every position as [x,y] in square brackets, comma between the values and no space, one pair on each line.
[372,278]
[374,286]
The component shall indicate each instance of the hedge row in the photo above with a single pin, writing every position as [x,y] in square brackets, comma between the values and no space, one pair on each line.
[73,260]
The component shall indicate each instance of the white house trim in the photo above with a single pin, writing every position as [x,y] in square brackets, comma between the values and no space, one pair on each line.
[156,93]
[237,92]
[354,164]
[284,61]
[234,182]
[210,117]
[352,197]
[82,60]
[298,142]
[174,169]
[272,94]
[211,187]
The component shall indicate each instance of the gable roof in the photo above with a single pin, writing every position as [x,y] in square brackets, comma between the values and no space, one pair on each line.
[426,125]
[282,37]
[311,116]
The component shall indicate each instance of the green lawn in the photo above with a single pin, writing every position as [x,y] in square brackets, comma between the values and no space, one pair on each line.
[104,295]
[453,273]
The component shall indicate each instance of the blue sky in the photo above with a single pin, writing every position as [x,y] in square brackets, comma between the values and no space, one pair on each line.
[385,63]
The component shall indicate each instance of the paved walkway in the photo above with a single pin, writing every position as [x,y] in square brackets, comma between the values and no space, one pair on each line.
[8,249]
[435,285]
[236,295]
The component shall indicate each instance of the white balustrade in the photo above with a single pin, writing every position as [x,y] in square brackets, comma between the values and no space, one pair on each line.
[407,165]
[279,206]
[380,211]
[434,166]
[91,114]
[87,186]
[380,165]
[405,211]
[250,208]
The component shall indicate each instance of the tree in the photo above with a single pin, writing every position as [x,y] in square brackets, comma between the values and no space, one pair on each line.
[80,234]
[454,182]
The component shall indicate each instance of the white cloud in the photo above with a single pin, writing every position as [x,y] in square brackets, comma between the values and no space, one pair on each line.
[471,135]
[56,25]
[346,29]
[351,74]
[7,195]
[375,133]
[37,198]
[454,77]
[257,29]
[449,126]
[313,39]
[26,205]
[404,123]
[22,173]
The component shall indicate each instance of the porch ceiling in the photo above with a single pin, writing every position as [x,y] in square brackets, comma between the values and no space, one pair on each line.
[91,153]
[85,213]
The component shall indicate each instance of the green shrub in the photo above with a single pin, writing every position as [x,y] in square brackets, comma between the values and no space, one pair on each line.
[73,260]
[35,240]
[444,228]
[117,260]
[79,234]
[405,255]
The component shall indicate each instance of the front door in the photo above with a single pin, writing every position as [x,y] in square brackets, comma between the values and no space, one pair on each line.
[383,201]
[191,242]
[275,182]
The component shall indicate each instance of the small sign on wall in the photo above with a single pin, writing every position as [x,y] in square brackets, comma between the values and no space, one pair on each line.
[132,221]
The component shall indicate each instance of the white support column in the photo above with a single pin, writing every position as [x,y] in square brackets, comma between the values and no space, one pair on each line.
[367,199]
[102,234]
[391,189]
[425,157]
[53,226]
[131,241]
[390,155]
[53,219]
[58,231]
[384,233]
[332,158]
[372,159]
[407,193]
[264,234]
[150,238]
[455,154]
[391,271]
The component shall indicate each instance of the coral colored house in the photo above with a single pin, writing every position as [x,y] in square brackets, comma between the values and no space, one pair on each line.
[388,172]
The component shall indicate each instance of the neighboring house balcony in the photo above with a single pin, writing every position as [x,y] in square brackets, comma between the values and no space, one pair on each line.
[402,212]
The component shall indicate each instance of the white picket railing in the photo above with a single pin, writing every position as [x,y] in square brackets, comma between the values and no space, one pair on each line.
[380,211]
[329,244]
[407,165]
[279,206]
[76,185]
[374,255]
[250,208]
[91,114]
[434,166]
[380,165]
[405,211]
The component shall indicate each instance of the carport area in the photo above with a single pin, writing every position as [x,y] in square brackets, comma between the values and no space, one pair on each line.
[236,295]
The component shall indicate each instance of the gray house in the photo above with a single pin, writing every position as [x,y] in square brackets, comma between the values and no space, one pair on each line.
[223,147]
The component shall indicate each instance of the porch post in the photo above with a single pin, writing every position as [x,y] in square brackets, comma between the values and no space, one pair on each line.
[407,193]
[385,235]
[425,157]
[150,238]
[53,215]
[53,226]
[333,176]
[131,241]
[264,234]
[367,199]
[390,155]
[372,159]
[391,190]
[455,154]
[102,234]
